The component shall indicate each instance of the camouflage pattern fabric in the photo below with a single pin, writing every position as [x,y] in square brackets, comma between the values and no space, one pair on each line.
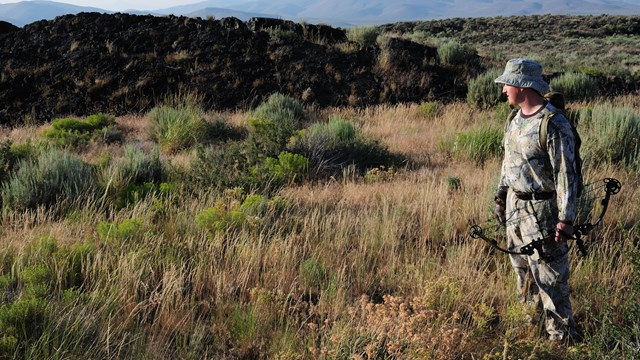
[529,168]
[540,283]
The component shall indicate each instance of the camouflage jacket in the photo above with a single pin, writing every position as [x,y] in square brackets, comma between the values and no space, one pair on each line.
[527,167]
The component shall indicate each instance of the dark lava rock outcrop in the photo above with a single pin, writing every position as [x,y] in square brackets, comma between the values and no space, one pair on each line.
[120,63]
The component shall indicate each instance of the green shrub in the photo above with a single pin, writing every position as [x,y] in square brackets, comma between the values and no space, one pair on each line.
[37,281]
[127,229]
[364,35]
[55,176]
[178,124]
[220,167]
[232,215]
[138,167]
[272,123]
[278,35]
[575,86]
[73,131]
[255,205]
[478,145]
[483,92]
[421,37]
[133,176]
[452,53]
[337,144]
[23,319]
[610,135]
[429,109]
[220,219]
[41,250]
[260,205]
[287,168]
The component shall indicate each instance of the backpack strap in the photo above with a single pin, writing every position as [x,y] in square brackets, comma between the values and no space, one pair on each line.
[544,127]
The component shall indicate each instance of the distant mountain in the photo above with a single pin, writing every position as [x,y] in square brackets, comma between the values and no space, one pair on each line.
[341,12]
[219,13]
[26,12]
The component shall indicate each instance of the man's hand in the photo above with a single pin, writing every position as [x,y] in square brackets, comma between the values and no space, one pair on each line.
[564,231]
[500,211]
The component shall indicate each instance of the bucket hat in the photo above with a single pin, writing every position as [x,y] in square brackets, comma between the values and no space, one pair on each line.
[523,73]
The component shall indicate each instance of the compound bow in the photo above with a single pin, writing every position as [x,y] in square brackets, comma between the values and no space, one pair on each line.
[612,187]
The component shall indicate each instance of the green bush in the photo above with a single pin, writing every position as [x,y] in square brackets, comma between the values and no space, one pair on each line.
[278,35]
[220,167]
[132,177]
[219,219]
[231,215]
[575,86]
[421,37]
[272,123]
[73,131]
[483,92]
[452,53]
[287,168]
[337,144]
[137,167]
[55,176]
[178,124]
[478,145]
[364,35]
[37,281]
[429,109]
[127,229]
[610,135]
[23,319]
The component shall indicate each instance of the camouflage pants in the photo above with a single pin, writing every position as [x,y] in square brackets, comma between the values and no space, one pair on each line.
[543,284]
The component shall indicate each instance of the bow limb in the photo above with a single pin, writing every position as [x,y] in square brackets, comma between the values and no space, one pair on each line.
[478,233]
[612,187]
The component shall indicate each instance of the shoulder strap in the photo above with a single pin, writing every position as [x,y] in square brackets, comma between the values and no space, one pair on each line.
[544,125]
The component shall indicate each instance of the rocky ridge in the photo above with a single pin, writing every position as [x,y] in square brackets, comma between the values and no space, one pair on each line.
[120,63]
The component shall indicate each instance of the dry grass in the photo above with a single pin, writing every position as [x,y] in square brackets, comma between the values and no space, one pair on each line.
[399,276]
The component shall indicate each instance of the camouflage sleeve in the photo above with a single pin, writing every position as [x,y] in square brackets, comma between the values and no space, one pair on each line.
[561,149]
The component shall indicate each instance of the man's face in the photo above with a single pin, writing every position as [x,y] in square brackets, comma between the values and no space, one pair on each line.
[514,94]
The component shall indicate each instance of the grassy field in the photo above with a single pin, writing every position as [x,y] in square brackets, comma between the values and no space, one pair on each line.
[365,264]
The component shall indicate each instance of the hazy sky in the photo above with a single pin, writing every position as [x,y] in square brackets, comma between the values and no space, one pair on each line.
[118,5]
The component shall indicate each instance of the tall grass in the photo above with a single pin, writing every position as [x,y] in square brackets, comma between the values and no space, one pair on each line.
[364,35]
[575,86]
[178,123]
[335,268]
[611,135]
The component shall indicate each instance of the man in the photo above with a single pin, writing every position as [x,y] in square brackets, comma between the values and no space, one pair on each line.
[538,187]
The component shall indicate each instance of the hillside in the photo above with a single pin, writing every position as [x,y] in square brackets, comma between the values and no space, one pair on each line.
[123,63]
[120,63]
